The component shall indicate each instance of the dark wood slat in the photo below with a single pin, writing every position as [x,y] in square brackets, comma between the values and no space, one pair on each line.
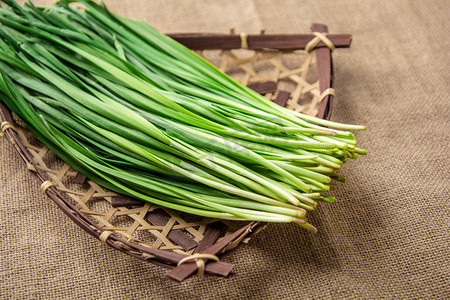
[263,87]
[212,233]
[207,41]
[175,235]
[282,98]
[325,71]
[79,178]
[118,201]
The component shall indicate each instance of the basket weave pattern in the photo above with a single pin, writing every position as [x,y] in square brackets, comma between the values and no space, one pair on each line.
[290,71]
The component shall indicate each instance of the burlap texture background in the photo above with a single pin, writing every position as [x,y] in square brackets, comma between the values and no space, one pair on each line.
[387,236]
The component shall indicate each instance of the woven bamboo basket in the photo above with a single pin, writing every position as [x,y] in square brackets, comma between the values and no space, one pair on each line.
[295,71]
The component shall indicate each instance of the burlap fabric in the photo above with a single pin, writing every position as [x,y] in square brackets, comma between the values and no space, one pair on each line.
[385,237]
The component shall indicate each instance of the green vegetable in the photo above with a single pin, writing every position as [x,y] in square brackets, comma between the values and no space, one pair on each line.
[142,115]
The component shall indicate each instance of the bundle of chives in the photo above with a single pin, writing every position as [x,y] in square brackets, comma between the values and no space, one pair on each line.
[142,115]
